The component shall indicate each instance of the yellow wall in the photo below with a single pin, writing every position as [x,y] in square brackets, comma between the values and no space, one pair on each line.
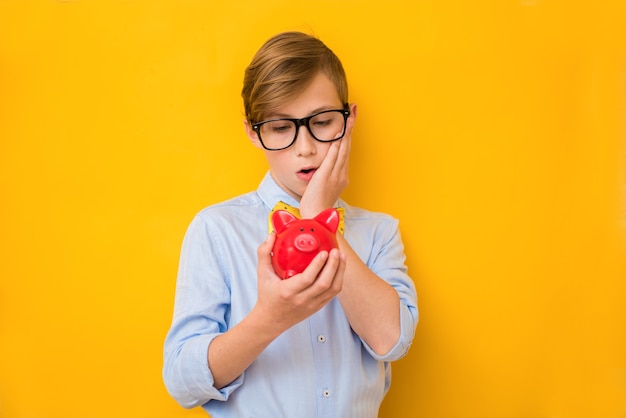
[493,129]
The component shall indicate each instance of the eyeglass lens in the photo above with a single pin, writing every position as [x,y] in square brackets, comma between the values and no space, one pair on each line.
[325,126]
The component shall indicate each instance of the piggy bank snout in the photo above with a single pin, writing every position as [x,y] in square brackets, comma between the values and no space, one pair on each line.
[306,242]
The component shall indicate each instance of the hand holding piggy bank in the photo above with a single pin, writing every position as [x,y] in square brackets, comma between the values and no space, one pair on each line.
[299,240]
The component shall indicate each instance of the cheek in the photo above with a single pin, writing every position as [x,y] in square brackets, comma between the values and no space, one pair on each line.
[277,160]
[322,148]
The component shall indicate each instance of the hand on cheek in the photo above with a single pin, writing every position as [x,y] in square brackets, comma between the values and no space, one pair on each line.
[329,180]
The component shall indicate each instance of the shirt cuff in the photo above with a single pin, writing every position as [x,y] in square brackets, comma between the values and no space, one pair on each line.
[197,374]
[408,323]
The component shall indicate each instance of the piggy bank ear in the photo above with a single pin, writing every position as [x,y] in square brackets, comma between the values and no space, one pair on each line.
[329,218]
[282,218]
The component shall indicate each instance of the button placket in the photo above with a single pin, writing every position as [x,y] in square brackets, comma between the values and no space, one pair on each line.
[322,350]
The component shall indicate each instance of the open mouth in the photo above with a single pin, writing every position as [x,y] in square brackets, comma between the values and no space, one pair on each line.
[306,173]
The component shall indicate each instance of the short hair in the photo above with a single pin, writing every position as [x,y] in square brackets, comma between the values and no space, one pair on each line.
[283,67]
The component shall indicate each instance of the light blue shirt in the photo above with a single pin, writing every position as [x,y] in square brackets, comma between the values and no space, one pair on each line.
[317,368]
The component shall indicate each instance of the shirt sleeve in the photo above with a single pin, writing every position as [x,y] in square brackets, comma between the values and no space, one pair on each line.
[200,310]
[388,261]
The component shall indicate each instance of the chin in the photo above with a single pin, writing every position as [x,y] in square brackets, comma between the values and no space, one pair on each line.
[296,193]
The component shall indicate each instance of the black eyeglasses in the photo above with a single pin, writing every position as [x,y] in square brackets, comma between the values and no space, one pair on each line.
[325,126]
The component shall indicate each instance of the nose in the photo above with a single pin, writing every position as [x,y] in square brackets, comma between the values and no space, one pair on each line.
[306,243]
[305,143]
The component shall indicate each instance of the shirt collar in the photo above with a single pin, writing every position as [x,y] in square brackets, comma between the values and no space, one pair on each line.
[271,193]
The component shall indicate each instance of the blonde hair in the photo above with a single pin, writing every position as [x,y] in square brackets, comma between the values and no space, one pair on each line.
[283,67]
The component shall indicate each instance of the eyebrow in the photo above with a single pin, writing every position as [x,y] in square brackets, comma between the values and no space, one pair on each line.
[314,111]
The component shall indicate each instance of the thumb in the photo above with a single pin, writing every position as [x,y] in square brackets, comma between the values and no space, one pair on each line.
[264,253]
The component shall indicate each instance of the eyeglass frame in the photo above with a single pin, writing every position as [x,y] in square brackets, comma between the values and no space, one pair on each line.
[256,127]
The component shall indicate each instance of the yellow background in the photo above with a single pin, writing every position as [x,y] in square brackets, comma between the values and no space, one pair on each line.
[494,130]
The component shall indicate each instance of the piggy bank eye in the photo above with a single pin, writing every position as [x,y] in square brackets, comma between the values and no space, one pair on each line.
[301,229]
[313,230]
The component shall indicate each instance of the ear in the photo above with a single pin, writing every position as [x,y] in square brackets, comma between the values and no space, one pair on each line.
[353,109]
[329,218]
[280,220]
[352,117]
[252,135]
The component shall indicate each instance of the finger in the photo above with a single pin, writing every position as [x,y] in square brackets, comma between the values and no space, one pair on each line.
[330,280]
[338,157]
[333,268]
[315,267]
[339,273]
[343,154]
[325,278]
[328,164]
[264,253]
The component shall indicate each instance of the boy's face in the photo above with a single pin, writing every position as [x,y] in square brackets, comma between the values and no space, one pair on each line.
[292,168]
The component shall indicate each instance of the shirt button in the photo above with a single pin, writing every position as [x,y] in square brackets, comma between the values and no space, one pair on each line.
[327,393]
[321,338]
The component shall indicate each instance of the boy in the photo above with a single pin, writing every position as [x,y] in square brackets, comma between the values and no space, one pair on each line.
[243,342]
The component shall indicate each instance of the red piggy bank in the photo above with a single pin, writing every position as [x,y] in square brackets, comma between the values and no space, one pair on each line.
[299,240]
